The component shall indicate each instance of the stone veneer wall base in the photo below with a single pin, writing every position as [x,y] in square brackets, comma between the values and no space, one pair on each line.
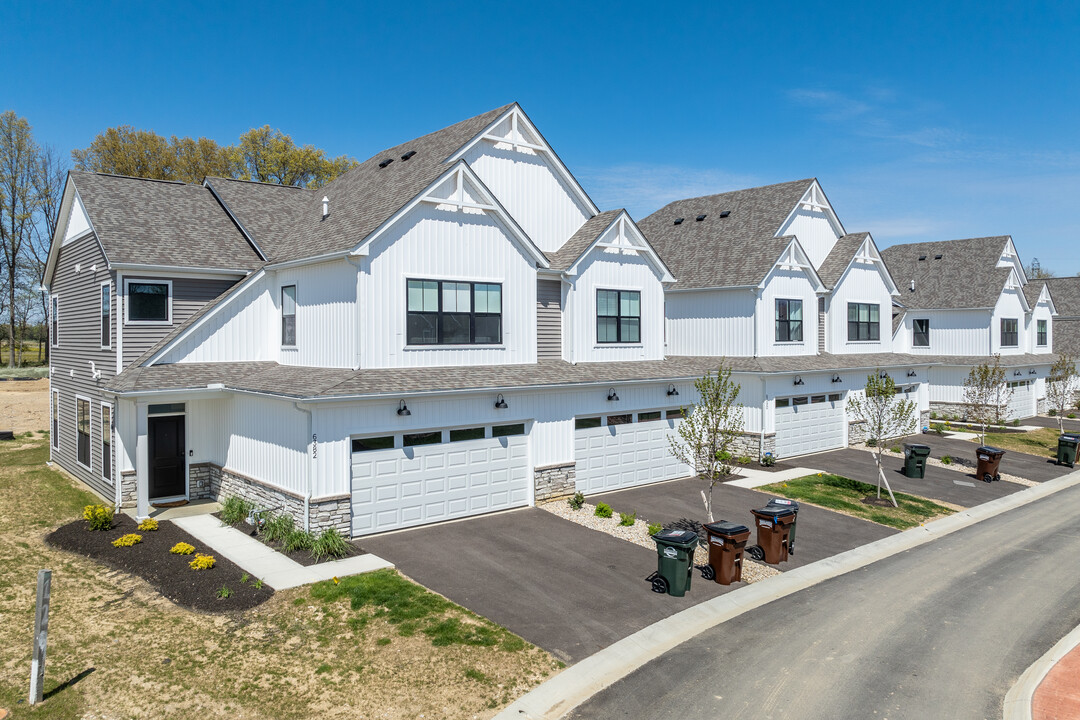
[553,482]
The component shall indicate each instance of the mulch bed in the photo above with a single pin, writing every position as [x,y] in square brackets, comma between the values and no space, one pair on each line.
[303,557]
[877,502]
[168,573]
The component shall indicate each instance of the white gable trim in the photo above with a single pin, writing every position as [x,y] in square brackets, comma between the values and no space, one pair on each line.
[1011,258]
[813,199]
[795,258]
[628,238]
[1014,284]
[1046,297]
[59,239]
[524,134]
[460,188]
[868,254]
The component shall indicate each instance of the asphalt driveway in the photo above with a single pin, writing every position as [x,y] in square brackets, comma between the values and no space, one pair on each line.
[1071,426]
[1032,467]
[566,588]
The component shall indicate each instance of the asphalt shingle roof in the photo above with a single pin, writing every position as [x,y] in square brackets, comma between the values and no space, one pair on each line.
[580,241]
[155,222]
[965,276]
[1066,294]
[266,211]
[733,251]
[1067,336]
[839,258]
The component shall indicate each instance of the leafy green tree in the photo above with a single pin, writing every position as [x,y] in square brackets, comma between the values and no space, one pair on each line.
[271,156]
[1061,387]
[886,415]
[124,150]
[987,395]
[18,203]
[709,430]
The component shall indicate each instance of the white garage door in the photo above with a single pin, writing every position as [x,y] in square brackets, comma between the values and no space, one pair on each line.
[1022,402]
[406,486]
[631,450]
[809,423]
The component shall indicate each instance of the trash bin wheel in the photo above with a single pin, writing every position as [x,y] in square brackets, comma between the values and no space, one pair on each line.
[707,572]
[659,585]
[756,552]
[997,477]
[988,478]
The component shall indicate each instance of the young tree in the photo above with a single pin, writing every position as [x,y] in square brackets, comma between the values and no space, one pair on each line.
[709,430]
[886,415]
[1061,387]
[987,395]
[18,202]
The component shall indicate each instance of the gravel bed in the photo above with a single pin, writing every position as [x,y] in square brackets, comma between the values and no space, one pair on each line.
[958,464]
[638,533]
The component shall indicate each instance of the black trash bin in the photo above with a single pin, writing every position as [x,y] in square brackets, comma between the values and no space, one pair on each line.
[989,463]
[791,505]
[915,459]
[674,561]
[1066,454]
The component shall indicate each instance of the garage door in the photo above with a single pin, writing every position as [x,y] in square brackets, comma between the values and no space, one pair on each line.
[398,487]
[1022,402]
[618,451]
[809,423]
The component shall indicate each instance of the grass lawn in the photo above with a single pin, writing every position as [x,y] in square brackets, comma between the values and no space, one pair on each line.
[1042,442]
[376,645]
[845,495]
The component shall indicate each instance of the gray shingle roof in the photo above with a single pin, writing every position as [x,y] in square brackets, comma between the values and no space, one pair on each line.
[839,258]
[1067,336]
[1066,294]
[266,211]
[1032,291]
[156,222]
[580,241]
[735,251]
[966,275]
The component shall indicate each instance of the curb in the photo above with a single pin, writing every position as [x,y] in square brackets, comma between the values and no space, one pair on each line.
[1018,699]
[561,694]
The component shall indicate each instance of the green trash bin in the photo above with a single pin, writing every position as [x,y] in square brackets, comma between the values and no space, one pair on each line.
[674,561]
[915,459]
[1067,449]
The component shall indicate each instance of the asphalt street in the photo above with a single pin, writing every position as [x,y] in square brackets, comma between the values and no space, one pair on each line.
[943,630]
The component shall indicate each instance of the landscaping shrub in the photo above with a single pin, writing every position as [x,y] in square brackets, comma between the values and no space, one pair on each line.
[871,442]
[577,502]
[946,460]
[627,519]
[768,460]
[202,562]
[99,517]
[1016,422]
[938,428]
[224,592]
[278,526]
[1052,413]
[896,449]
[148,525]
[744,460]
[235,510]
[127,540]
[298,540]
[182,548]
[1071,416]
[933,416]
[603,510]
[329,544]
[655,528]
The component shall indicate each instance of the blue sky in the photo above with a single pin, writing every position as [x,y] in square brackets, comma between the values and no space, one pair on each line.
[923,121]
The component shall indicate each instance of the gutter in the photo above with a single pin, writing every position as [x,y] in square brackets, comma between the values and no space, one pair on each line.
[315,259]
[166,269]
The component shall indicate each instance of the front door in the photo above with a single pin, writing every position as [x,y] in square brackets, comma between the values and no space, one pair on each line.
[168,476]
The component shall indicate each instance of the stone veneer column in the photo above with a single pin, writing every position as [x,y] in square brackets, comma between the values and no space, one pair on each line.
[552,482]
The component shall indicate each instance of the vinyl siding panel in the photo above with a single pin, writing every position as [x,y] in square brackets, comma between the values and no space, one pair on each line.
[267,441]
[549,319]
[244,328]
[815,233]
[862,283]
[952,332]
[710,323]
[1009,305]
[787,285]
[188,295]
[326,319]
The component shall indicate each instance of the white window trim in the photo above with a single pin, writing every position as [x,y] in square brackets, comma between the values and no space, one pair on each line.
[101,415]
[929,334]
[112,310]
[90,422]
[1037,343]
[54,441]
[296,307]
[148,281]
[54,320]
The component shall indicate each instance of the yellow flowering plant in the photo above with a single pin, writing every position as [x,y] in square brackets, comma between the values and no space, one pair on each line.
[182,548]
[127,540]
[202,562]
[148,525]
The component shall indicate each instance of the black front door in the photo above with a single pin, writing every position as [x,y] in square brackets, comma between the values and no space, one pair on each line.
[167,467]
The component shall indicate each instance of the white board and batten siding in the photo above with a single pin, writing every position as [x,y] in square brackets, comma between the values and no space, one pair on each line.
[787,285]
[815,232]
[268,441]
[952,332]
[1041,312]
[711,323]
[861,283]
[326,320]
[1009,305]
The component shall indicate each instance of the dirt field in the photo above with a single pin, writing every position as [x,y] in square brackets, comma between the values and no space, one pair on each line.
[24,405]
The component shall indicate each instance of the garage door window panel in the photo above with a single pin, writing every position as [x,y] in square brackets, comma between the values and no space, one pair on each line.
[385,442]
[620,419]
[466,434]
[426,438]
[585,423]
[507,430]
[648,416]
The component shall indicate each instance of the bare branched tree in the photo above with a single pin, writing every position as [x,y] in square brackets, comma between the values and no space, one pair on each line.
[18,202]
[987,395]
[1061,387]
[886,414]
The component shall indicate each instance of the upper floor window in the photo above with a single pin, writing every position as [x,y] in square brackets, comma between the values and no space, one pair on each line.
[54,321]
[920,333]
[453,313]
[789,321]
[618,316]
[149,301]
[1010,332]
[1040,330]
[288,315]
[863,322]
[106,316]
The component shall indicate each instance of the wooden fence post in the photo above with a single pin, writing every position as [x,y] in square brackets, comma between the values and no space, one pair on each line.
[41,633]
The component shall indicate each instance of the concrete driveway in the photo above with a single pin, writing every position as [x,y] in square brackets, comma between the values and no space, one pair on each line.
[566,588]
[821,533]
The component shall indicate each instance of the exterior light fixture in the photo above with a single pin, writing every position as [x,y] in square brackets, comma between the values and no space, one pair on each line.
[837,378]
[672,391]
[883,375]
[611,395]
[911,373]
[798,380]
[1016,373]
[500,403]
[403,409]
[1032,372]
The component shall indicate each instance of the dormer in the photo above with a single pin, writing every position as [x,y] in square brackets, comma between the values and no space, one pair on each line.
[815,223]
[1011,259]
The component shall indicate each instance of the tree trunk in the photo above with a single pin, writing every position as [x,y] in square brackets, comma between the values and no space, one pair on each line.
[883,479]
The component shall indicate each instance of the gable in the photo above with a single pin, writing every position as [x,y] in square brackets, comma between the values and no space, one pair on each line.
[814,222]
[623,239]
[868,260]
[794,261]
[1011,259]
[74,224]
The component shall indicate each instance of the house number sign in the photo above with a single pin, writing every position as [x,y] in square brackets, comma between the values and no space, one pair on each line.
[314,446]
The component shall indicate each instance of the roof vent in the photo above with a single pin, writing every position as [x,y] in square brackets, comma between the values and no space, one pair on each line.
[408,155]
[325,207]
[922,257]
[386,162]
[937,257]
[699,218]
[678,221]
[913,285]
[724,213]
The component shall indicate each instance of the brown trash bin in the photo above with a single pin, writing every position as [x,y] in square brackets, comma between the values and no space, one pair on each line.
[989,463]
[773,526]
[726,543]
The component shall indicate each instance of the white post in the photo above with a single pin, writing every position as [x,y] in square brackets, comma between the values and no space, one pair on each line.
[41,633]
[142,463]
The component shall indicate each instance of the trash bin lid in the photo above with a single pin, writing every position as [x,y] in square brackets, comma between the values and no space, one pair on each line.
[988,450]
[916,446]
[1070,438]
[784,503]
[676,537]
[774,511]
[726,528]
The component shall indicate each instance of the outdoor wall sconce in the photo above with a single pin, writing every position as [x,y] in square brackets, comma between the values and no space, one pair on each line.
[837,378]
[500,403]
[672,391]
[403,409]
[798,380]
[911,373]
[611,395]
[1016,373]
[1032,372]
[883,376]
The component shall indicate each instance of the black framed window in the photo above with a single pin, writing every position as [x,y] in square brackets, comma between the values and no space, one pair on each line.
[288,315]
[618,316]
[864,322]
[920,333]
[82,429]
[106,316]
[1010,332]
[1041,334]
[789,321]
[54,319]
[453,313]
[106,442]
[148,302]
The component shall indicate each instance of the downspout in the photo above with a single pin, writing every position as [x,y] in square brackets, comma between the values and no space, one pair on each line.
[764,411]
[757,316]
[307,467]
[359,318]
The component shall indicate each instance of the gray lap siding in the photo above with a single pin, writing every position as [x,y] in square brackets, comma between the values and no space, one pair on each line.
[188,295]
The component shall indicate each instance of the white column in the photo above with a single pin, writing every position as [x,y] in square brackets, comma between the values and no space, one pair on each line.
[142,464]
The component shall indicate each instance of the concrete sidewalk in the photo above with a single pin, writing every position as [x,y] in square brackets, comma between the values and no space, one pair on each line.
[267,564]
